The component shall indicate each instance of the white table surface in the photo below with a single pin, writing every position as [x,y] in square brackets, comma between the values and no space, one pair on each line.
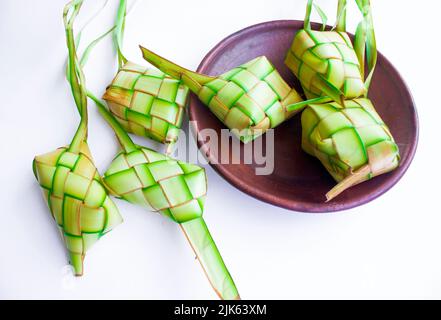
[389,248]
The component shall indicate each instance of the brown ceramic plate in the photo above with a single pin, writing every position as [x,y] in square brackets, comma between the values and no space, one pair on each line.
[299,182]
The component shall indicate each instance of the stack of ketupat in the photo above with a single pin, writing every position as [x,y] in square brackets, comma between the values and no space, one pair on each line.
[347,135]
[339,126]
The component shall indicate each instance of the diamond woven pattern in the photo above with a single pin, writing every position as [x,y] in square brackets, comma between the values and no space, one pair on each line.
[347,138]
[175,189]
[318,57]
[76,198]
[147,102]
[253,95]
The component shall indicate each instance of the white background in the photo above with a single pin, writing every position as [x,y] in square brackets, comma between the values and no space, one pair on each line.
[389,248]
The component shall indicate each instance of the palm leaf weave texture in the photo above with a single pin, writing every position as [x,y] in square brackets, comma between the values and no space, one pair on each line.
[147,102]
[352,142]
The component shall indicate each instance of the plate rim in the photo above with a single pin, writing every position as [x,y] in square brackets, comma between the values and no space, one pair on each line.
[297,206]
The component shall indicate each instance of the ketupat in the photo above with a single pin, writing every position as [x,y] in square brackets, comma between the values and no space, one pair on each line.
[352,142]
[326,62]
[248,99]
[76,198]
[173,188]
[78,201]
[146,102]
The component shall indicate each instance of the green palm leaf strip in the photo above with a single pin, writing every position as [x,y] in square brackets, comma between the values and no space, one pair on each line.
[322,14]
[119,31]
[365,41]
[340,24]
[172,188]
[248,99]
[73,189]
[146,102]
[351,141]
[327,63]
